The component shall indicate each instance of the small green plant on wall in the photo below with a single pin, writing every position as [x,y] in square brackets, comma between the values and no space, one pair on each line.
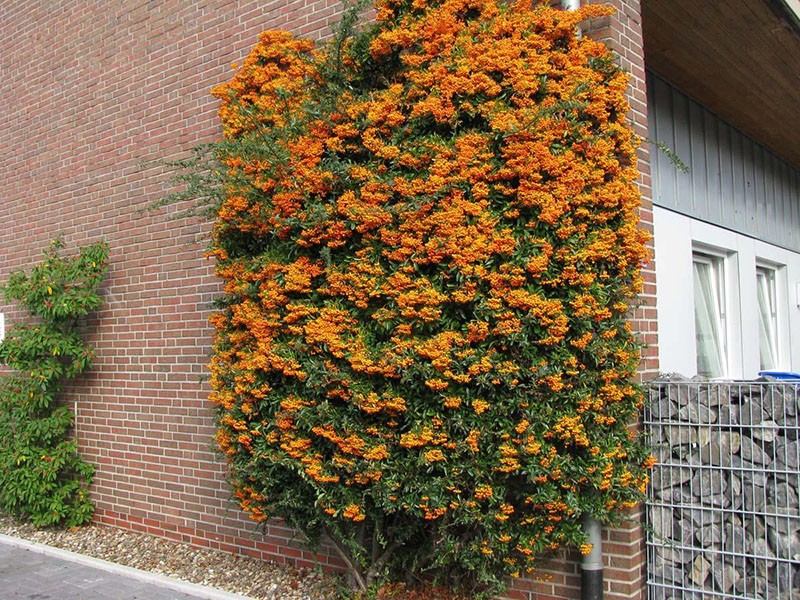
[42,477]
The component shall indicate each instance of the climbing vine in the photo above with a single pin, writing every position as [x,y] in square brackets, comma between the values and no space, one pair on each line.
[42,477]
[428,234]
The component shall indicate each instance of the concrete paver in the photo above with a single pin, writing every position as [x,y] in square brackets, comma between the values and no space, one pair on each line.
[50,574]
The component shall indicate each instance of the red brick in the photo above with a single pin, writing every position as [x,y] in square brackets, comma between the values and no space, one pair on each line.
[93,91]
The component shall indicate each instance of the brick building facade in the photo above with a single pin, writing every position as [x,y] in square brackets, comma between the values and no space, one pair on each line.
[92,94]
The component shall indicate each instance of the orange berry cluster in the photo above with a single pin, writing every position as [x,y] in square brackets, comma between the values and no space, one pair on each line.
[430,245]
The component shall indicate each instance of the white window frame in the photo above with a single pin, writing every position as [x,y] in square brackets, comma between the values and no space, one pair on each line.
[769,324]
[676,238]
[717,310]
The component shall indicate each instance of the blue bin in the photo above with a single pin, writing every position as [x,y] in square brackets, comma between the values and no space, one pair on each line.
[782,375]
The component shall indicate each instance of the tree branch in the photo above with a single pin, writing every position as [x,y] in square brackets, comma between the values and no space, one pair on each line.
[352,566]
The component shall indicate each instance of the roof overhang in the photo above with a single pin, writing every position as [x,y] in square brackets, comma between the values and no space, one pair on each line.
[740,58]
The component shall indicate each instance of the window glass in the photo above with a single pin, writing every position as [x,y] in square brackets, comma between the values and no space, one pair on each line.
[709,315]
[767,318]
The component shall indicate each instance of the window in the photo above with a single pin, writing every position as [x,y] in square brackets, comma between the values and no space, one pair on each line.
[724,308]
[710,315]
[767,317]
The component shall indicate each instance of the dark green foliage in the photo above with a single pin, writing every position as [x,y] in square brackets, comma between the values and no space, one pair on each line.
[42,477]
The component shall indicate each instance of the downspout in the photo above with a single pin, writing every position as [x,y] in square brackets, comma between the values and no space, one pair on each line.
[592,563]
[572,5]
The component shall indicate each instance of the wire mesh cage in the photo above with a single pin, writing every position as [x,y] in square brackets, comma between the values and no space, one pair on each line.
[723,517]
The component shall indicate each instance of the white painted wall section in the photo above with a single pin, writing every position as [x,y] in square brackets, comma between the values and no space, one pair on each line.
[676,237]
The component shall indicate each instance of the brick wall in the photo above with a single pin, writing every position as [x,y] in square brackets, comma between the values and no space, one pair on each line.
[91,92]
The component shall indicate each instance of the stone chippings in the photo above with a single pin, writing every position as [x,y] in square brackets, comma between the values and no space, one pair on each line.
[238,574]
[724,507]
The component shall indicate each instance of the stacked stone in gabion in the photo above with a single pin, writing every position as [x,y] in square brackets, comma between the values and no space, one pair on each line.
[723,509]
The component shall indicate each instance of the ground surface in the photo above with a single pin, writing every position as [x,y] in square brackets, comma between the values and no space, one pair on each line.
[248,576]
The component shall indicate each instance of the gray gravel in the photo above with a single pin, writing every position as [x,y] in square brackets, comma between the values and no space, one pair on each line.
[243,575]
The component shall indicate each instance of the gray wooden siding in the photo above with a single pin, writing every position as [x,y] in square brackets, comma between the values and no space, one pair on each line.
[732,182]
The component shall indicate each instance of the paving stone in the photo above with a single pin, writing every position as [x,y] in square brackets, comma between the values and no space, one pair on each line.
[26,575]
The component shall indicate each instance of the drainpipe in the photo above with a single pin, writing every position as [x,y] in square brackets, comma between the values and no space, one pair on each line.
[572,5]
[592,563]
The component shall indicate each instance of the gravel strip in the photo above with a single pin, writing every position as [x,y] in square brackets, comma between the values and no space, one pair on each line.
[239,574]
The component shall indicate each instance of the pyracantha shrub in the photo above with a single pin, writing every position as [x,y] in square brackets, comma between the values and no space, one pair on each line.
[42,477]
[428,236]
